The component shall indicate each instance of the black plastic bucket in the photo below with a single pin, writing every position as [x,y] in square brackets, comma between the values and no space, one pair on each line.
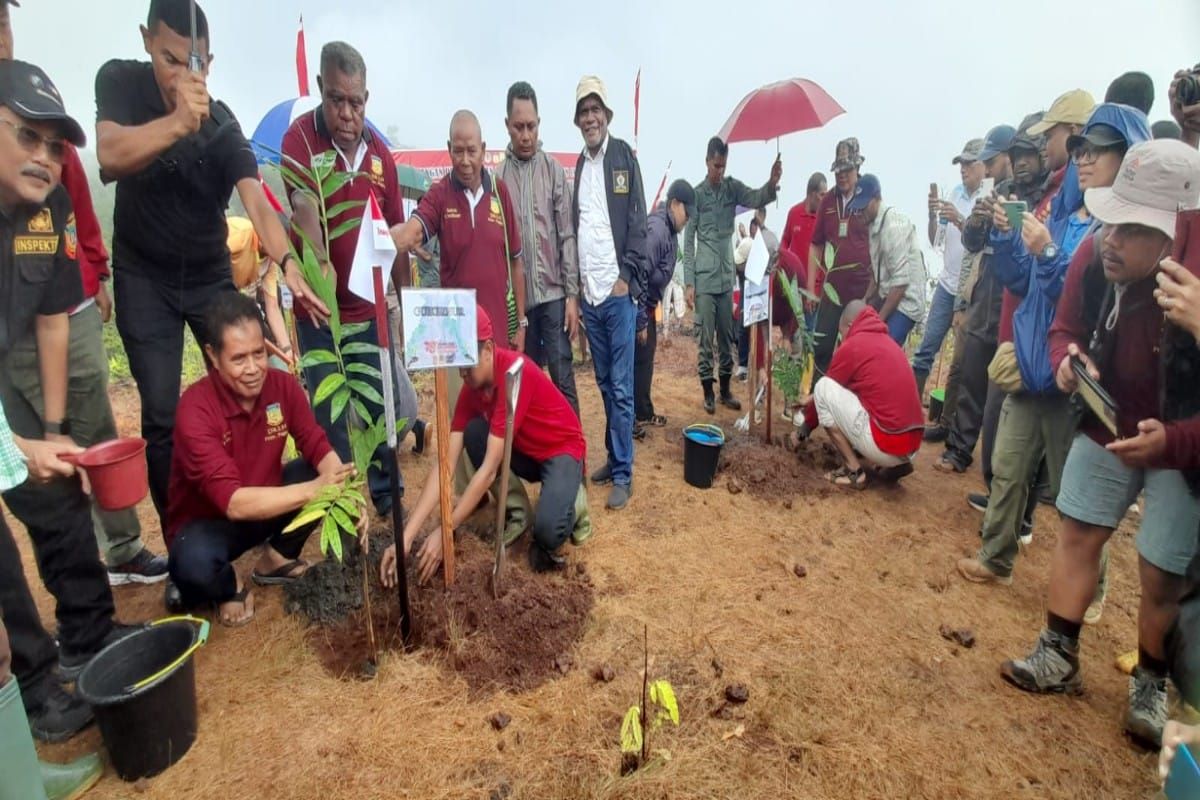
[702,454]
[937,401]
[143,691]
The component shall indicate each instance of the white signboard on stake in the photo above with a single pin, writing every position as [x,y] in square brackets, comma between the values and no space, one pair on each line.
[754,302]
[439,328]
[758,260]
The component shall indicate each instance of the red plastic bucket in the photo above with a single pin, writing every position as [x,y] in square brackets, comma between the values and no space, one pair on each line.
[117,470]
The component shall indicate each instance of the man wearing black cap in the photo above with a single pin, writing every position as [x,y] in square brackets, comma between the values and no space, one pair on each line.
[39,284]
[176,155]
[663,227]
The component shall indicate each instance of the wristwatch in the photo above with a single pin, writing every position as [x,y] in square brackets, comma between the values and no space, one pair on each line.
[523,322]
[1049,252]
[62,428]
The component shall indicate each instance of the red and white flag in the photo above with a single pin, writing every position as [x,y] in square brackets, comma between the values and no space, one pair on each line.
[301,61]
[637,107]
[375,248]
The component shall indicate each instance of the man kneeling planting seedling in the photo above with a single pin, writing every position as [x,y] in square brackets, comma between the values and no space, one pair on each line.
[547,447]
[229,490]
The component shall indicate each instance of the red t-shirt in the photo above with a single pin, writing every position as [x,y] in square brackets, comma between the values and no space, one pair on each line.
[853,248]
[220,447]
[473,252]
[797,237]
[92,255]
[308,140]
[544,425]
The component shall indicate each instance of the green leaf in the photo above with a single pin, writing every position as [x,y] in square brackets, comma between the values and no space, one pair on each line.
[308,515]
[333,183]
[367,391]
[352,506]
[662,694]
[332,382]
[360,349]
[342,207]
[344,228]
[365,369]
[299,179]
[631,731]
[354,329]
[830,255]
[314,357]
[343,521]
[337,406]
[832,294]
[360,408]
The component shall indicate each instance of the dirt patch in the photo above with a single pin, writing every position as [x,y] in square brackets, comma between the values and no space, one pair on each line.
[773,472]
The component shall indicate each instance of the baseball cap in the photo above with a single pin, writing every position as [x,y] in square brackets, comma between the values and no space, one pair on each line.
[1157,179]
[1101,135]
[30,94]
[483,325]
[970,152]
[682,191]
[847,157]
[1024,140]
[589,85]
[997,141]
[866,191]
[1070,108]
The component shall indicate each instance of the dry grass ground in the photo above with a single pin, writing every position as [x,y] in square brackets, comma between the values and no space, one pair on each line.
[853,692]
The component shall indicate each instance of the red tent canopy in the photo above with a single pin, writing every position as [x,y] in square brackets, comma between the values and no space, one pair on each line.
[436,163]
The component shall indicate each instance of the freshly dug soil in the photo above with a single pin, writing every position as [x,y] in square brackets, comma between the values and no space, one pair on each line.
[328,592]
[774,472]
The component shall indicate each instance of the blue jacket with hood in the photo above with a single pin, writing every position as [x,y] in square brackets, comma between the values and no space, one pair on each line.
[1038,281]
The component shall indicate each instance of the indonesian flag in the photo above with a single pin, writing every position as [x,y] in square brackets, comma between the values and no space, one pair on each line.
[637,107]
[661,186]
[375,248]
[301,61]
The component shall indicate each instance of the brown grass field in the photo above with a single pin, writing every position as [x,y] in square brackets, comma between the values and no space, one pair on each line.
[853,693]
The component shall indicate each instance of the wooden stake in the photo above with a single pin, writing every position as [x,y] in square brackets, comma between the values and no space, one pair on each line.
[366,559]
[768,413]
[441,399]
[753,368]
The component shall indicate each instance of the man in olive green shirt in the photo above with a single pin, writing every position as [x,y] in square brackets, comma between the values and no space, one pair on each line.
[708,264]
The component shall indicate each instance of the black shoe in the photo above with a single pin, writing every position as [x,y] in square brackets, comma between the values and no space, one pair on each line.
[710,400]
[639,431]
[936,433]
[71,664]
[979,502]
[59,717]
[145,567]
[541,560]
[894,474]
[727,398]
[173,599]
[602,476]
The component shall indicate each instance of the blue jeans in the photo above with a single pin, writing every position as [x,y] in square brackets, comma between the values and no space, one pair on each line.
[378,477]
[611,335]
[899,326]
[941,315]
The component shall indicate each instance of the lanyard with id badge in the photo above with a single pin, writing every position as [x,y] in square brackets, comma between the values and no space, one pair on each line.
[843,222]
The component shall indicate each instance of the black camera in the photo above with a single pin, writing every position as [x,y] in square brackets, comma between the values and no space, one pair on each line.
[1187,93]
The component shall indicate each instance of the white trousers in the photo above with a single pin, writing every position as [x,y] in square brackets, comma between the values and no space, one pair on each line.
[838,407]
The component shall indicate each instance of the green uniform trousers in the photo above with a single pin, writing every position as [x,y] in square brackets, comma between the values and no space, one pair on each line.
[714,321]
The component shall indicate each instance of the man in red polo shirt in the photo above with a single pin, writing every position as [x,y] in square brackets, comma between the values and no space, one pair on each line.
[229,491]
[336,133]
[547,447]
[801,221]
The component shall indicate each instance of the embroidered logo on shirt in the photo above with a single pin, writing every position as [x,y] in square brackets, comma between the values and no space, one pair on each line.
[70,240]
[377,166]
[274,415]
[620,181]
[496,206]
[451,213]
[35,245]
[42,222]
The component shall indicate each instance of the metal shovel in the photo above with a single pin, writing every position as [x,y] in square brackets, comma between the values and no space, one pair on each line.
[512,386]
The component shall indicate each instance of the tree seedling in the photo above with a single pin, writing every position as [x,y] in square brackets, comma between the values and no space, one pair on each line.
[658,706]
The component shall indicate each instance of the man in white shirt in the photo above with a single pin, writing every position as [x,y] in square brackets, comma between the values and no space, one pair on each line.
[610,219]
[946,219]
[898,266]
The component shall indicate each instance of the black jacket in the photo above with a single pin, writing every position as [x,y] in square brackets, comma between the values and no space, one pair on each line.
[626,212]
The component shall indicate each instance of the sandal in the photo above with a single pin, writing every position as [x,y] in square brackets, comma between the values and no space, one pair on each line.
[280,576]
[238,597]
[657,421]
[844,476]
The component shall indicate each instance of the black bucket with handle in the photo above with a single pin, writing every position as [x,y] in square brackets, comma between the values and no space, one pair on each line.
[702,445]
[143,691]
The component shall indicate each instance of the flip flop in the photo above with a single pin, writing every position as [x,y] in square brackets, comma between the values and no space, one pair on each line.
[280,576]
[239,597]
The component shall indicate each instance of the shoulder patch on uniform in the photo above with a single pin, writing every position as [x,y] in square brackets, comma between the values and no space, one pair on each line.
[70,238]
[620,181]
[42,222]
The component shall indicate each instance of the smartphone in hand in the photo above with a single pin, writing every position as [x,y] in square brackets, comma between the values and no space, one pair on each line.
[1015,211]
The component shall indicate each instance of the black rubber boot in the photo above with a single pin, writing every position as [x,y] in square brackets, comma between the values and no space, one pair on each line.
[710,401]
[727,398]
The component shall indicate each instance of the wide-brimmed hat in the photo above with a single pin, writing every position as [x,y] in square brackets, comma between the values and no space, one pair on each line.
[1157,180]
[847,157]
[591,85]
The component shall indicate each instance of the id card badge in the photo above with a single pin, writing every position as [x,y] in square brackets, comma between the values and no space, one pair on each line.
[843,229]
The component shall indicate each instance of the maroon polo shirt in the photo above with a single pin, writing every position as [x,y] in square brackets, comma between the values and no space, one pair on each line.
[472,244]
[853,248]
[220,447]
[307,141]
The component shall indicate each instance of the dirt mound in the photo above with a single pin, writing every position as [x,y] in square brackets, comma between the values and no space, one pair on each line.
[516,642]
[774,472]
[329,592]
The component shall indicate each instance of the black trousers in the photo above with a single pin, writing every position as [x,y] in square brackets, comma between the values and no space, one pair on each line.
[643,371]
[150,319]
[550,346]
[554,518]
[34,654]
[825,331]
[202,554]
[978,342]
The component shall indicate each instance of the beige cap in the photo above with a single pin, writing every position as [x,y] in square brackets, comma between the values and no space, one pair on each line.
[1071,108]
[589,85]
[1157,180]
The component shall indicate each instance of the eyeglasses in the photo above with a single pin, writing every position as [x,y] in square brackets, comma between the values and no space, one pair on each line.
[1089,153]
[31,141]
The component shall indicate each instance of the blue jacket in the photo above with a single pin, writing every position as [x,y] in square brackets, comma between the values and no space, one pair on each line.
[1038,281]
[662,244]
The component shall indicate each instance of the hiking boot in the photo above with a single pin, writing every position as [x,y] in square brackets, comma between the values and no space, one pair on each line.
[977,572]
[541,560]
[602,476]
[727,398]
[979,502]
[71,664]
[1147,713]
[145,567]
[935,433]
[618,497]
[710,401]
[1052,667]
[59,717]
